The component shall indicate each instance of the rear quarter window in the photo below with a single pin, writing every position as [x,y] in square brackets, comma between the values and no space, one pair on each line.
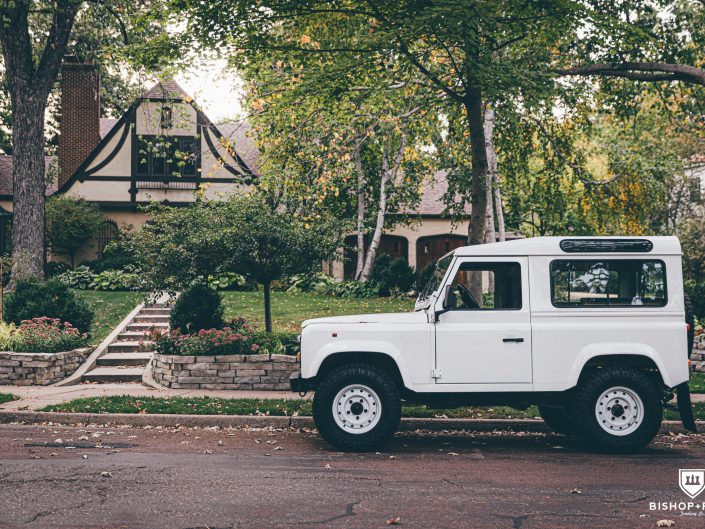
[608,283]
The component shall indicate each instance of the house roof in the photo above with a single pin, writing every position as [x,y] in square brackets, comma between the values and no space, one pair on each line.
[6,162]
[240,138]
[166,89]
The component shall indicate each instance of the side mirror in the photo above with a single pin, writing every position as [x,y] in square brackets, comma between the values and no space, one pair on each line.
[448,297]
[447,303]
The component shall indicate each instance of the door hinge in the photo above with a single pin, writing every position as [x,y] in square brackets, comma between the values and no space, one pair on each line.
[436,373]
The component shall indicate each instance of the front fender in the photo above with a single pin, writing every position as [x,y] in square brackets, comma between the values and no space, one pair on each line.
[617,348]
[311,363]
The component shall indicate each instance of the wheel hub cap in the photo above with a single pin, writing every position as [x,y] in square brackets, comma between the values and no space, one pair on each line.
[357,408]
[619,411]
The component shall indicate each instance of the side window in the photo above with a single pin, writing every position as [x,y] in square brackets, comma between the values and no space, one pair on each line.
[608,283]
[487,286]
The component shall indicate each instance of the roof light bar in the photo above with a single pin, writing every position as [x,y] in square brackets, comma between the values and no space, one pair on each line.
[606,245]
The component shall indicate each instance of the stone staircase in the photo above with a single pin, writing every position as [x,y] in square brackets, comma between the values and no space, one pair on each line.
[125,360]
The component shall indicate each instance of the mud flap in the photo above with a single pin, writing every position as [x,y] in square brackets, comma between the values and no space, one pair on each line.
[685,408]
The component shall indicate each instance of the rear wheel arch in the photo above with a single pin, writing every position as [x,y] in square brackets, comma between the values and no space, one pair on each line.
[635,361]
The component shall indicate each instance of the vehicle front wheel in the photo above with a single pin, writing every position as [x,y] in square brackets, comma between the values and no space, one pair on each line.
[558,420]
[618,410]
[357,407]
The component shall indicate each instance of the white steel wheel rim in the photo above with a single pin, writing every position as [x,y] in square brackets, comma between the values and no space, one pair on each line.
[619,411]
[357,409]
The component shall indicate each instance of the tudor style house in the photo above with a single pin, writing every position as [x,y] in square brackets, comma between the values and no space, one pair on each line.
[163,148]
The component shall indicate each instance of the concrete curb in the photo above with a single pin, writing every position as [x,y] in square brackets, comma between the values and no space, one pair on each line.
[90,362]
[225,421]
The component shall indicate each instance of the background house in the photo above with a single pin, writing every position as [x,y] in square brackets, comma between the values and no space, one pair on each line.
[164,148]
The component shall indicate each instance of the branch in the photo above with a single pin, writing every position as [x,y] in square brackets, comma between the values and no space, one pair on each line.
[55,46]
[637,71]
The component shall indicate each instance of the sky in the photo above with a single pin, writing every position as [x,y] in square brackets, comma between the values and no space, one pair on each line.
[216,90]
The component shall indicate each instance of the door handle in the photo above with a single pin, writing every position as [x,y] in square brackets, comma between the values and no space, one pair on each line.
[517,340]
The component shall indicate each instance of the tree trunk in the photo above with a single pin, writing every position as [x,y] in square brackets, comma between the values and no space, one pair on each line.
[267,306]
[28,189]
[490,235]
[360,214]
[478,184]
[501,228]
[379,228]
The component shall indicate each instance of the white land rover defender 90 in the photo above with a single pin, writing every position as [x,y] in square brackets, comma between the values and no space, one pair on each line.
[593,330]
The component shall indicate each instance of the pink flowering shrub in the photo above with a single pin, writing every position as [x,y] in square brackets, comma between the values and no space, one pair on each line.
[46,335]
[236,338]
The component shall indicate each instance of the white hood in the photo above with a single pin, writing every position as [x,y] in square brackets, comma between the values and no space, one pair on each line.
[412,318]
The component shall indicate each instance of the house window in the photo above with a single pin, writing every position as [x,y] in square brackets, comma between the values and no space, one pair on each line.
[608,283]
[166,117]
[167,156]
[108,233]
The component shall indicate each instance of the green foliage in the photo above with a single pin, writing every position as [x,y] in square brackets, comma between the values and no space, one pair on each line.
[80,277]
[286,343]
[198,307]
[53,299]
[392,274]
[696,291]
[226,281]
[310,282]
[70,224]
[116,280]
[355,289]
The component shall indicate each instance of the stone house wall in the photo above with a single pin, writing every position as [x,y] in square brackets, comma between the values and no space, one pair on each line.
[27,369]
[263,372]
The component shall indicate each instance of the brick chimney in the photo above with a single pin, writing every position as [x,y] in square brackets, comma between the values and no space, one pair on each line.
[80,115]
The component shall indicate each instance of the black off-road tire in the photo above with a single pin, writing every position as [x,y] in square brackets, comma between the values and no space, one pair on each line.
[592,386]
[558,419]
[390,400]
[690,320]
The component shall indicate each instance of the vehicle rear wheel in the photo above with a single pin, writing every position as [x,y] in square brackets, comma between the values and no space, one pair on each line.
[618,410]
[558,420]
[357,407]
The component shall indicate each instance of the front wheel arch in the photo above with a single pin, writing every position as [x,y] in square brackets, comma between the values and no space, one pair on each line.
[379,360]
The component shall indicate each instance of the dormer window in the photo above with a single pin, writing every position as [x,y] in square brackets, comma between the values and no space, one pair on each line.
[167,156]
[166,117]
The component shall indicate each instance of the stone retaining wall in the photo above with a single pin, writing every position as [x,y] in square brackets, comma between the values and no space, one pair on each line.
[697,356]
[263,372]
[27,369]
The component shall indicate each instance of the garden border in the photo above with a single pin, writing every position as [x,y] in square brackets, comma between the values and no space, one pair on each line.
[40,369]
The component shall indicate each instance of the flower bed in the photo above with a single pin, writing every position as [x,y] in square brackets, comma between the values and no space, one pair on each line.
[40,351]
[234,357]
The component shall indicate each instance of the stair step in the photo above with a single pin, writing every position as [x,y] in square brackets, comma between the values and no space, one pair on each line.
[132,336]
[124,359]
[148,318]
[145,326]
[114,374]
[125,347]
[155,311]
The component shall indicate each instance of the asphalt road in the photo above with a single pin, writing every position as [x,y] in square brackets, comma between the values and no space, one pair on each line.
[78,477]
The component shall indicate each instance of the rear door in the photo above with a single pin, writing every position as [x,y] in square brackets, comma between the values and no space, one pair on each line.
[486,337]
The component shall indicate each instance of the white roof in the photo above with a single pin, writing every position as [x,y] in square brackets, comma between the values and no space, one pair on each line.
[550,246]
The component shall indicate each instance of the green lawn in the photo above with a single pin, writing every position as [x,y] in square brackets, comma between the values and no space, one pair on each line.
[289,310]
[697,383]
[110,309]
[281,407]
[7,397]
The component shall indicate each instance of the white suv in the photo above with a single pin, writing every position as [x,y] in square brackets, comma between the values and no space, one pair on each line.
[592,330]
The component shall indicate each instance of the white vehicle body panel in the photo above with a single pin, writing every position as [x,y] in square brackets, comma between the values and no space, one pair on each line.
[468,348]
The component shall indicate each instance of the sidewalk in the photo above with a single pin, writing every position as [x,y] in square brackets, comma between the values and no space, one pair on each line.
[37,397]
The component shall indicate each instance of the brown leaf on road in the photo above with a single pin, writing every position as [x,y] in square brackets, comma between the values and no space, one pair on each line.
[576,491]
[665,523]
[393,521]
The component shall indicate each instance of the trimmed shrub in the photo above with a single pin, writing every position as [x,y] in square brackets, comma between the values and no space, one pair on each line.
[392,273]
[696,291]
[33,299]
[198,307]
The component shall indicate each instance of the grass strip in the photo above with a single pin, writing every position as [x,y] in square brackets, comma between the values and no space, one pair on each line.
[7,397]
[283,408]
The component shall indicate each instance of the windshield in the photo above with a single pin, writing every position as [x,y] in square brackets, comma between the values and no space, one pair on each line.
[438,272]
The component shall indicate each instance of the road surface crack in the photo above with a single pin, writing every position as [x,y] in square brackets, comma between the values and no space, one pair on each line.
[348,512]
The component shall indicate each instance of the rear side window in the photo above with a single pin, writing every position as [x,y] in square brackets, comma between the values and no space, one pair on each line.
[608,283]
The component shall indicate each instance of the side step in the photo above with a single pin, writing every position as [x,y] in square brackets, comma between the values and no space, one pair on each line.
[124,359]
[114,374]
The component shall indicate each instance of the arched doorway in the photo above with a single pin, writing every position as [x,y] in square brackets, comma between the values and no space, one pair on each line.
[392,245]
[429,249]
[108,233]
